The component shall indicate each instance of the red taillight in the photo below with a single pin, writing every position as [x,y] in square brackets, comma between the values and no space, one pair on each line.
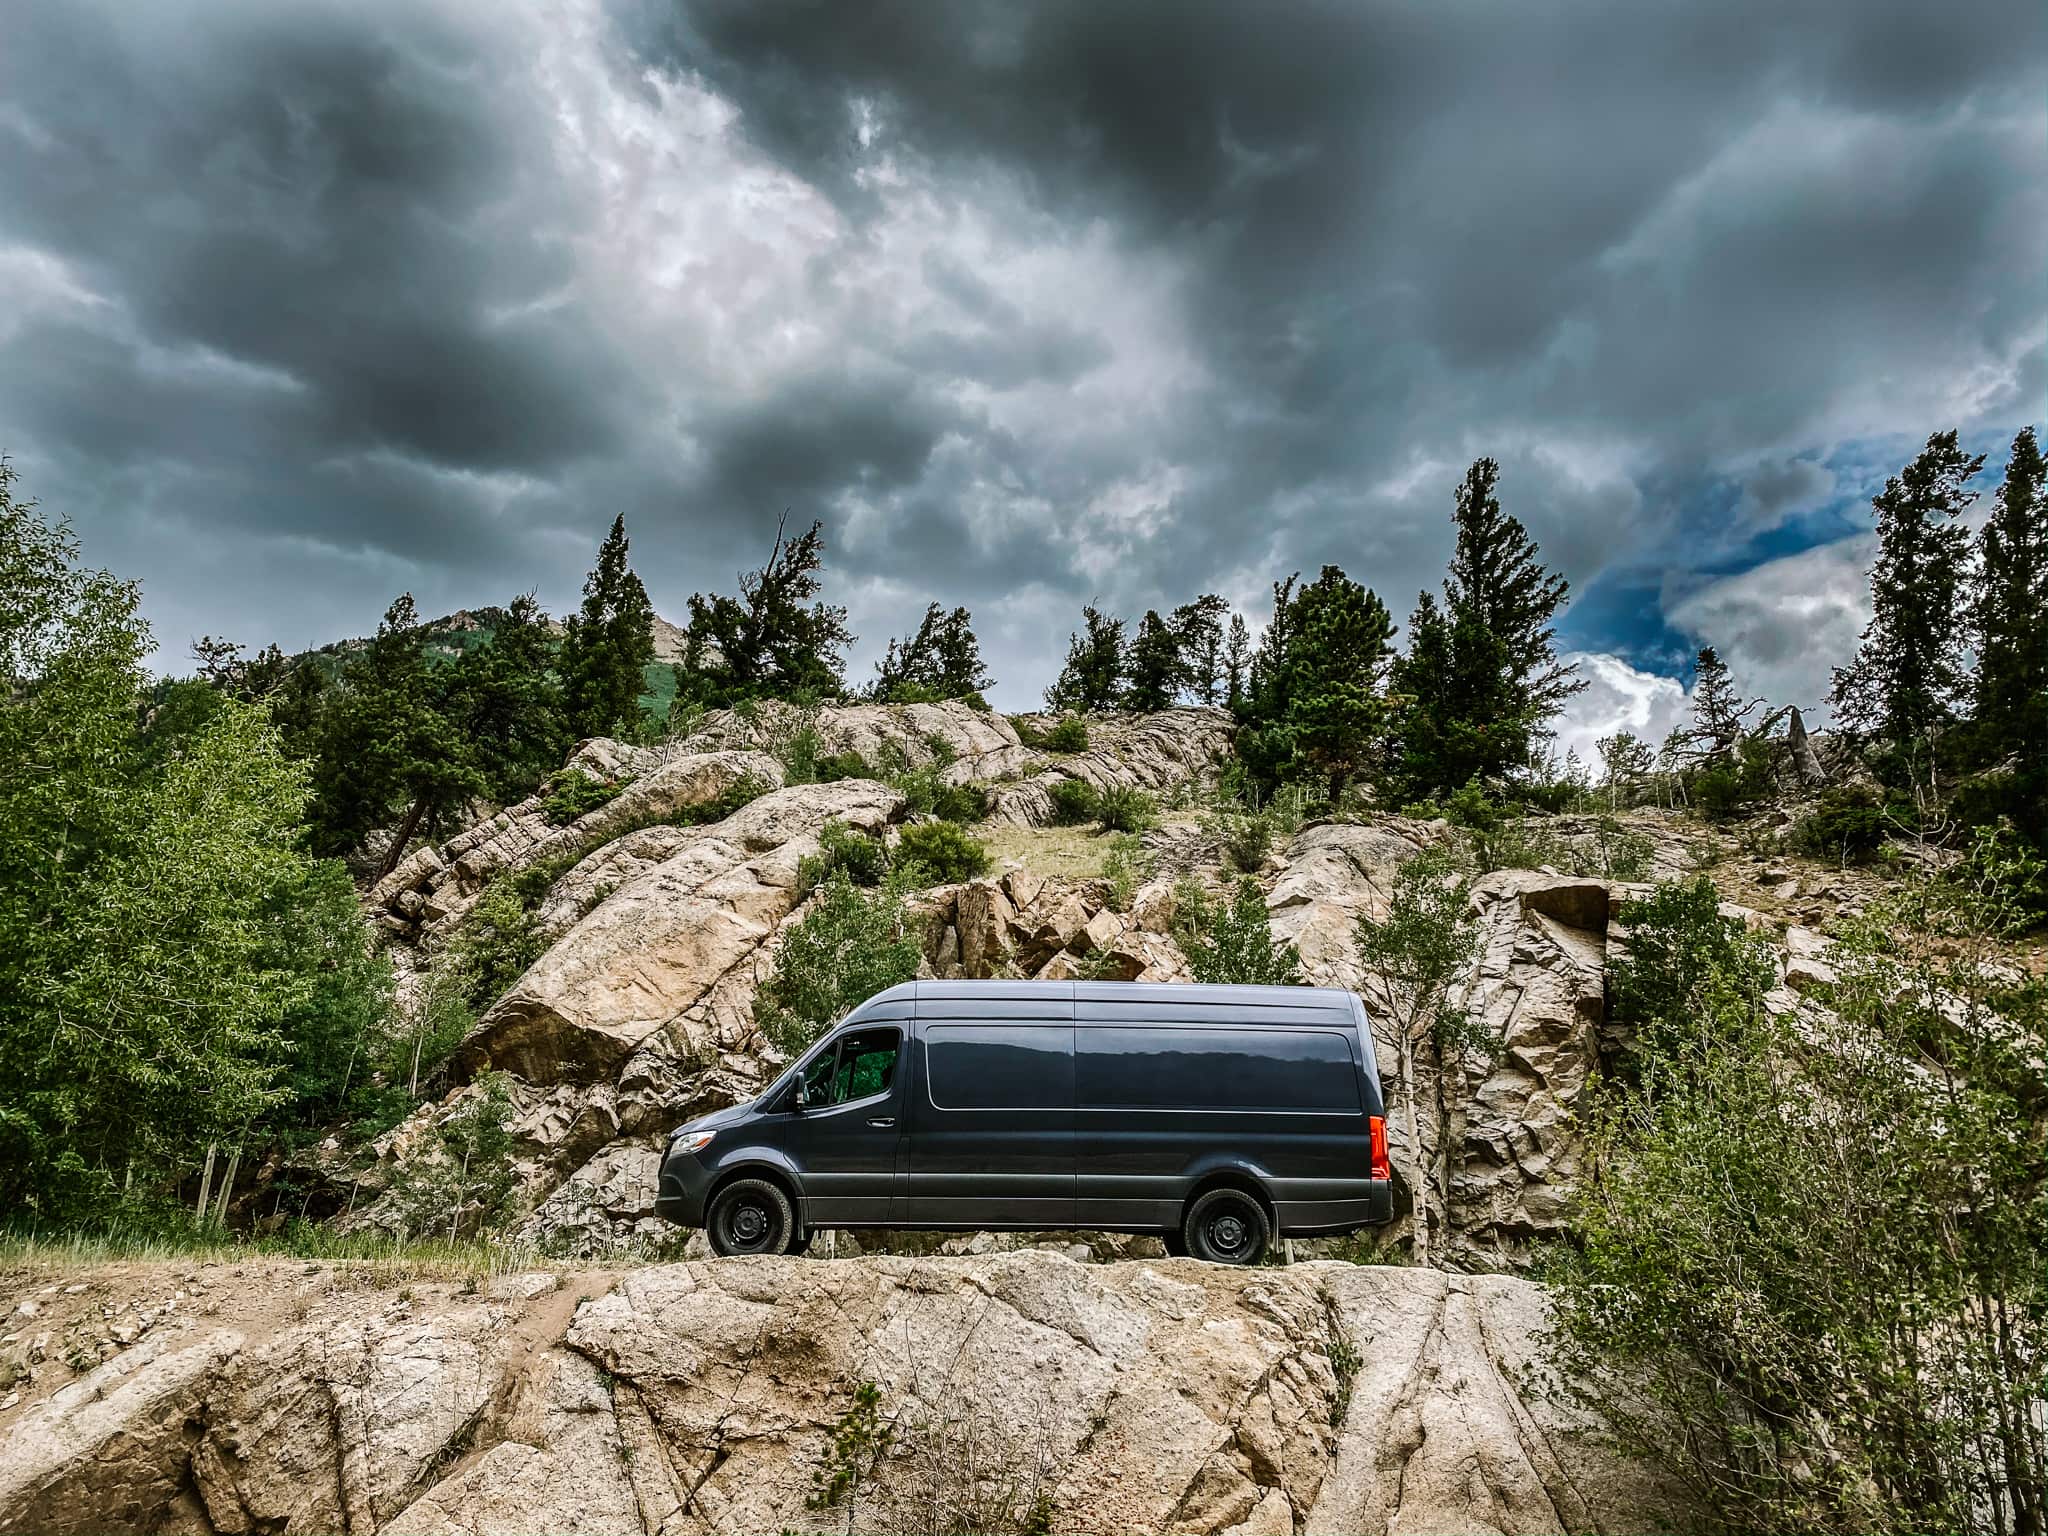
[1381,1168]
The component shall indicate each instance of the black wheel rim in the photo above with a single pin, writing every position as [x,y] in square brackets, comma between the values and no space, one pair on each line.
[1229,1234]
[748,1226]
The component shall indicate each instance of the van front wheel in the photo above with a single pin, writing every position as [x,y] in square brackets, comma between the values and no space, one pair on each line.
[750,1216]
[1226,1226]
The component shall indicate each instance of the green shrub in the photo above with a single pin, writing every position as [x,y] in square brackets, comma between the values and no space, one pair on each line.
[849,945]
[1847,825]
[799,752]
[1232,940]
[927,793]
[940,853]
[1611,851]
[843,853]
[1074,802]
[573,794]
[1069,733]
[1125,808]
[842,765]
[460,1179]
[1243,837]
[1717,791]
[1124,865]
[742,791]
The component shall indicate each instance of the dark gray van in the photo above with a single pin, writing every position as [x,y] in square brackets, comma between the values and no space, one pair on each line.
[1217,1117]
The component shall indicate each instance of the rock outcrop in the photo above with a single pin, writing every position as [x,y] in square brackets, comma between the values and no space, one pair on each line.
[1020,1391]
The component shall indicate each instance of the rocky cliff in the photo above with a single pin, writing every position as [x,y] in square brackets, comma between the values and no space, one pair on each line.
[1010,1393]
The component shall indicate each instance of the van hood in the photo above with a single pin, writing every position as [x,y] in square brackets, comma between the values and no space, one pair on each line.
[713,1121]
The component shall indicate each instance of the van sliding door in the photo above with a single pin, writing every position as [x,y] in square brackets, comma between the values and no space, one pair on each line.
[993,1145]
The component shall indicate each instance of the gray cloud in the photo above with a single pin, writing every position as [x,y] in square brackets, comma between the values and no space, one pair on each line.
[1044,303]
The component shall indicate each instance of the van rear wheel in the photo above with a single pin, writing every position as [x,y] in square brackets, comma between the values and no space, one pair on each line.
[750,1216]
[1226,1226]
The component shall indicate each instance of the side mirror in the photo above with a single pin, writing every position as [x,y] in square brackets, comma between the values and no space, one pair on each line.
[799,1096]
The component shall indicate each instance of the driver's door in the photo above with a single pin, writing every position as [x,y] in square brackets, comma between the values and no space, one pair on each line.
[850,1132]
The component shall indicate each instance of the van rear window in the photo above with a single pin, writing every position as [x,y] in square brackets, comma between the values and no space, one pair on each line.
[1000,1066]
[1246,1069]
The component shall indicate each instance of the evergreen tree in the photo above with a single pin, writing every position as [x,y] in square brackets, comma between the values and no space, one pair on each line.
[1483,671]
[1316,703]
[1907,676]
[776,639]
[505,699]
[1093,678]
[1154,670]
[1236,657]
[1717,710]
[608,645]
[2010,611]
[941,660]
[1198,633]
[386,746]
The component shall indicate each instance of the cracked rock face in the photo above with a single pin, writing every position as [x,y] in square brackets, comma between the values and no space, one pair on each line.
[1145,1396]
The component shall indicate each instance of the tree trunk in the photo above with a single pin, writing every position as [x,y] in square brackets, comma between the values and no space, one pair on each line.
[403,836]
[227,1186]
[1418,1180]
[205,1187]
[1805,761]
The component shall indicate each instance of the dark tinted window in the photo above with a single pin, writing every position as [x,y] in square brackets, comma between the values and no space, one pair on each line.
[860,1066]
[1215,1069]
[1000,1066]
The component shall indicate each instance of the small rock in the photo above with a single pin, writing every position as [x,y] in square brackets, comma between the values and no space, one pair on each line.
[28,1309]
[9,1401]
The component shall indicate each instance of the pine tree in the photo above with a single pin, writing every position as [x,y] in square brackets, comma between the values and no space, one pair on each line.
[1093,677]
[609,643]
[777,639]
[1483,675]
[1154,670]
[2010,611]
[941,660]
[1198,633]
[505,699]
[1907,677]
[1338,652]
[1717,712]
[1236,657]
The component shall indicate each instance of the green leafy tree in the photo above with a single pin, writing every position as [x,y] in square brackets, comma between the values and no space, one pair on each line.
[1093,678]
[777,639]
[1419,950]
[941,660]
[1907,676]
[2010,610]
[1625,761]
[1806,1279]
[849,945]
[1154,671]
[608,645]
[1482,672]
[1316,703]
[1231,940]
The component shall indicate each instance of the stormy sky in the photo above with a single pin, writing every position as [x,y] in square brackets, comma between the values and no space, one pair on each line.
[307,304]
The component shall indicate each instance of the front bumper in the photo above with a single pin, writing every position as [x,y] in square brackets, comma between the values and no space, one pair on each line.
[679,1193]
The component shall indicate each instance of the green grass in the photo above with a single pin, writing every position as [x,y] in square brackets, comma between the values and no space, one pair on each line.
[482,1256]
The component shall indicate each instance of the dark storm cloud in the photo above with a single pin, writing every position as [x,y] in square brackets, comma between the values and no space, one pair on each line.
[1031,303]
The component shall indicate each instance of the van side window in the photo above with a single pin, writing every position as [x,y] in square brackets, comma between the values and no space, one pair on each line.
[858,1067]
[1302,1071]
[1000,1066]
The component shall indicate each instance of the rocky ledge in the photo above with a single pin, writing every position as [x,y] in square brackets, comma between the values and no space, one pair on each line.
[1010,1392]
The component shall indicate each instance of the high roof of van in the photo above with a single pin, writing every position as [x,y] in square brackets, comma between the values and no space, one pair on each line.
[1168,993]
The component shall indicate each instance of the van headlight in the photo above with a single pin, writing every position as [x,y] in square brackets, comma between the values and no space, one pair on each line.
[691,1141]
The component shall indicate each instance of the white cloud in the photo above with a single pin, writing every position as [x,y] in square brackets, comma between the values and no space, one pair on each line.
[1782,626]
[1618,697]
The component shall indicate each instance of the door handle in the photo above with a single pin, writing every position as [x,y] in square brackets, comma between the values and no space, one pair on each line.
[884,1121]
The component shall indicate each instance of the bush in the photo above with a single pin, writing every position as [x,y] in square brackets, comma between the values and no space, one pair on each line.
[1124,808]
[848,946]
[573,794]
[843,853]
[1243,837]
[1807,1280]
[1069,733]
[1232,941]
[742,791]
[459,1179]
[842,765]
[1612,852]
[940,853]
[927,793]
[1846,825]
[1074,802]
[1124,864]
